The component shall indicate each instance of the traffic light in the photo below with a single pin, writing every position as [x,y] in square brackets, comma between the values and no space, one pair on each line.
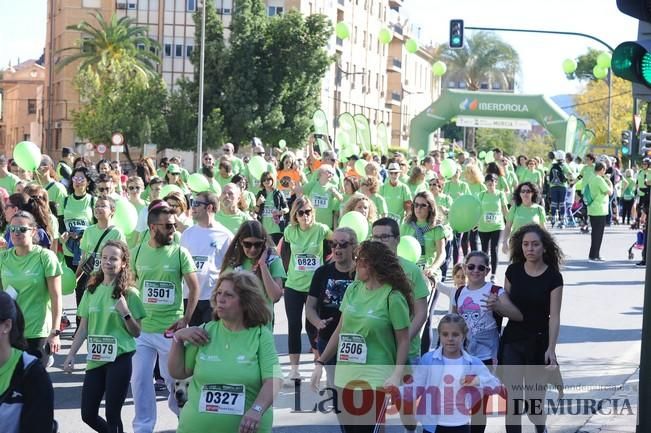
[632,61]
[645,142]
[627,141]
[456,33]
[636,8]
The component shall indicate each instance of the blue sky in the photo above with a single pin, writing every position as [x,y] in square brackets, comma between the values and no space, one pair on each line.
[22,30]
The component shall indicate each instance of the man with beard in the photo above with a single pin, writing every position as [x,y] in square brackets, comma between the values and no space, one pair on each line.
[159,266]
[230,214]
[208,171]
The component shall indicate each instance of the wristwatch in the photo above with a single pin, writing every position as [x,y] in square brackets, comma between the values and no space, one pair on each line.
[257,408]
[127,317]
[56,332]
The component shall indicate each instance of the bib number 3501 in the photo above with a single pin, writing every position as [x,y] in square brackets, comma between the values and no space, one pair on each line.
[224,399]
[102,348]
[352,348]
[158,292]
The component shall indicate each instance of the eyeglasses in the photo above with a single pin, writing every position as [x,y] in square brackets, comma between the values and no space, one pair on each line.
[197,203]
[19,229]
[304,212]
[175,174]
[420,205]
[343,245]
[248,245]
[168,226]
[480,268]
[78,179]
[104,189]
[134,188]
[526,191]
[381,238]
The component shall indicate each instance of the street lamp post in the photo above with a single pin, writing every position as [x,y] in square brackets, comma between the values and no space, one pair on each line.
[201,71]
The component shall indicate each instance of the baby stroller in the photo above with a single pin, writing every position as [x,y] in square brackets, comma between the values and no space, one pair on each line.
[579,212]
[640,241]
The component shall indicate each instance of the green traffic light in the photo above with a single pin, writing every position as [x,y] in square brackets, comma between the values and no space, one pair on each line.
[645,68]
[632,61]
[456,40]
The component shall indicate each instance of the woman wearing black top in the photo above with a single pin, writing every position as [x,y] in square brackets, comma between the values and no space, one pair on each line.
[535,285]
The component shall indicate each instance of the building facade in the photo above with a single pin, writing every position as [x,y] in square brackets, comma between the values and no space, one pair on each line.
[22,109]
[365,78]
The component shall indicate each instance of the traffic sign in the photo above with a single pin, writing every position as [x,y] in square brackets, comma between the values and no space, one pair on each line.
[90,146]
[117,138]
[101,149]
[116,149]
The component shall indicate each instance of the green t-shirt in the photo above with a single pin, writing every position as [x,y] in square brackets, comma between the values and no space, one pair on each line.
[77,214]
[307,254]
[395,196]
[642,177]
[533,176]
[511,179]
[240,360]
[9,182]
[27,277]
[416,188]
[267,216]
[492,218]
[7,369]
[600,198]
[276,269]
[92,236]
[432,235]
[132,238]
[249,199]
[221,181]
[158,273]
[522,215]
[232,222]
[369,318]
[456,189]
[380,205]
[105,321]
[443,202]
[56,192]
[587,173]
[629,191]
[476,188]
[323,200]
[420,290]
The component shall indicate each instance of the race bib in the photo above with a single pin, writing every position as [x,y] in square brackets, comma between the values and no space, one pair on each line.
[223,399]
[102,348]
[96,261]
[267,212]
[491,217]
[199,261]
[158,292]
[320,201]
[307,262]
[76,225]
[352,348]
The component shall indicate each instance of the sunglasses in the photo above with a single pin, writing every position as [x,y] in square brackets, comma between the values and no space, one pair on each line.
[197,203]
[168,226]
[175,174]
[105,189]
[248,245]
[78,179]
[304,212]
[480,268]
[343,245]
[134,188]
[19,229]
[420,205]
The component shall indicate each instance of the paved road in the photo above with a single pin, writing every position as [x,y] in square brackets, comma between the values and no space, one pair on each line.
[598,350]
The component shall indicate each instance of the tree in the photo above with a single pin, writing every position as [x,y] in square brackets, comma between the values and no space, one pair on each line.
[535,145]
[592,107]
[505,139]
[484,59]
[181,117]
[584,65]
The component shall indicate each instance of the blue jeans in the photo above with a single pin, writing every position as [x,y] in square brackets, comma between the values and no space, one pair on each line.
[557,203]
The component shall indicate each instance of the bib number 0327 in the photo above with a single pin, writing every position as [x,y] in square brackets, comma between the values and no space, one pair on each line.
[224,399]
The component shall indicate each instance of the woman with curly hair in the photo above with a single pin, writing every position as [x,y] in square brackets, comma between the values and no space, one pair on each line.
[375,307]
[525,210]
[362,204]
[370,186]
[502,181]
[111,311]
[416,182]
[534,284]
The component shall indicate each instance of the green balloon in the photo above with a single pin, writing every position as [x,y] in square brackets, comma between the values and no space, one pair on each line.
[599,72]
[68,280]
[385,36]
[125,217]
[356,221]
[482,154]
[439,68]
[257,166]
[464,213]
[604,59]
[27,155]
[282,143]
[360,165]
[489,156]
[411,45]
[448,168]
[166,189]
[569,66]
[198,182]
[409,248]
[341,30]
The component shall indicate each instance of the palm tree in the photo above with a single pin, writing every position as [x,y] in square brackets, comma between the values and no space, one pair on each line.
[113,47]
[484,59]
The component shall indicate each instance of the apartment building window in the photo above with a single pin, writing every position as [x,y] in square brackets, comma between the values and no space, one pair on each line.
[141,46]
[190,5]
[188,50]
[226,11]
[274,10]
[31,106]
[132,5]
[168,50]
[178,51]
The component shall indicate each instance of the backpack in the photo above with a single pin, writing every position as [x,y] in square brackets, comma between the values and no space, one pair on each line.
[494,290]
[587,195]
[556,175]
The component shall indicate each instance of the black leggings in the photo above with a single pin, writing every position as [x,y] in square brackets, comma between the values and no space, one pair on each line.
[40,346]
[294,303]
[598,224]
[627,210]
[112,382]
[469,242]
[491,239]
